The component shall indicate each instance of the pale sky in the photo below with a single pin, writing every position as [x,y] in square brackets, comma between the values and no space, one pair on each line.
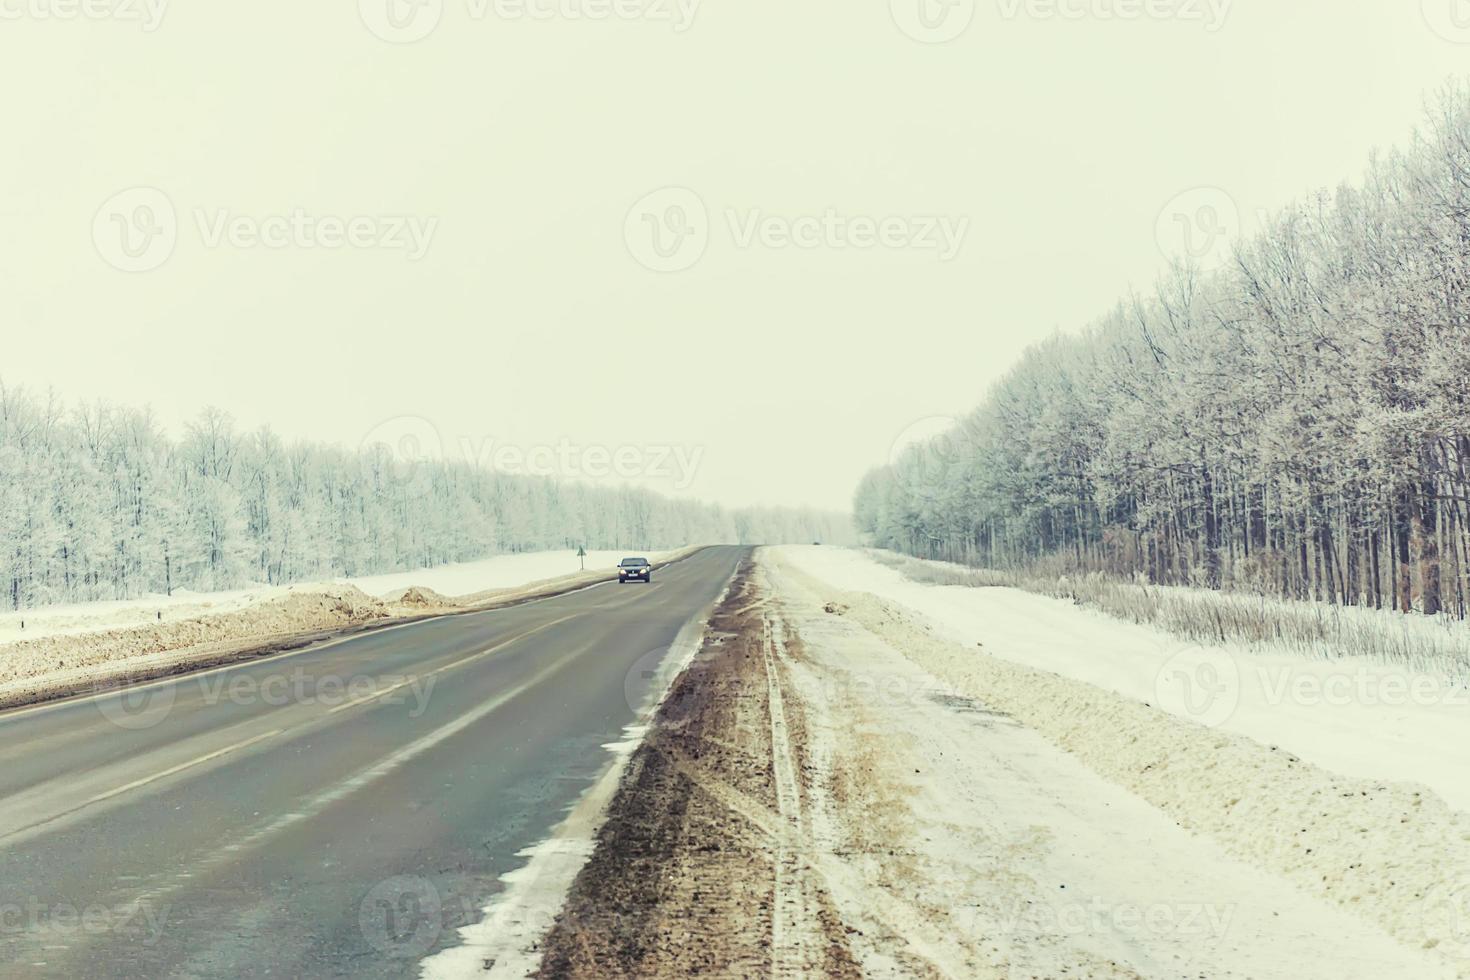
[954,202]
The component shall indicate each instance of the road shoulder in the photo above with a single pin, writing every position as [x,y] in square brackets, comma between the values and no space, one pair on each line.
[812,800]
[63,667]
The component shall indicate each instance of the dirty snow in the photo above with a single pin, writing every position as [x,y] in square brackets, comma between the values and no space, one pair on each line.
[1395,856]
[61,648]
[499,572]
[1015,850]
[1354,717]
[519,916]
[90,617]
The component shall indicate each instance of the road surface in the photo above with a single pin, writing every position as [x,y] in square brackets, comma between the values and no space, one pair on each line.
[338,811]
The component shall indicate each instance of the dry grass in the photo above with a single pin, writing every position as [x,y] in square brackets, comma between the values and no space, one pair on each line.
[1203,616]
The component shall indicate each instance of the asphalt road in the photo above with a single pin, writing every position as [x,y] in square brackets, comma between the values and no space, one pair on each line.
[333,812]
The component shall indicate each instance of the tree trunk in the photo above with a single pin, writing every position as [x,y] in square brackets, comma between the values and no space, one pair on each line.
[1403,580]
[1426,533]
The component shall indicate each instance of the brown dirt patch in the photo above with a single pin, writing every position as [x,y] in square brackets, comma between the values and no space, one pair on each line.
[683,879]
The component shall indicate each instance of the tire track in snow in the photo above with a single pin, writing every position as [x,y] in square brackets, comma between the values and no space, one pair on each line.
[790,921]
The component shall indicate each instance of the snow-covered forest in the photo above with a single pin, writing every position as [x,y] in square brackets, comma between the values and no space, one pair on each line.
[1295,423]
[97,502]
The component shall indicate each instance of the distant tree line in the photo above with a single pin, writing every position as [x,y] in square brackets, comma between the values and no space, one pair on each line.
[97,502]
[1297,423]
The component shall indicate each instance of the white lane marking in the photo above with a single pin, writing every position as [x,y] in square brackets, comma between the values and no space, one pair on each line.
[135,784]
[130,689]
[511,926]
[362,778]
[144,781]
[21,712]
[10,714]
[15,834]
[448,667]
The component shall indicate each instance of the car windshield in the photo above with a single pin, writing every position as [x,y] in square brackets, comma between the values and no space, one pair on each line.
[634,562]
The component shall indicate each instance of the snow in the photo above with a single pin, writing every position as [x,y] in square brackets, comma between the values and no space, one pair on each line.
[1001,845]
[62,647]
[499,572]
[88,617]
[1354,717]
[1382,850]
[525,909]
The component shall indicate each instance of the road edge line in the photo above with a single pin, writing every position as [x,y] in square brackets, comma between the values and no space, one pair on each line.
[504,941]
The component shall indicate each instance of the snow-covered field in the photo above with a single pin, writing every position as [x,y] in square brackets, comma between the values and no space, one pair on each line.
[1352,716]
[58,649]
[1384,849]
[89,617]
[976,837]
[499,572]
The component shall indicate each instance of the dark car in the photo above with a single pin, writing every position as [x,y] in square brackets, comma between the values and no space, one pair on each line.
[635,569]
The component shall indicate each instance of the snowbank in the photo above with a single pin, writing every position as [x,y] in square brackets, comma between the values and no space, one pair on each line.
[983,838]
[1388,852]
[1359,718]
[64,649]
[499,572]
[64,662]
[91,617]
